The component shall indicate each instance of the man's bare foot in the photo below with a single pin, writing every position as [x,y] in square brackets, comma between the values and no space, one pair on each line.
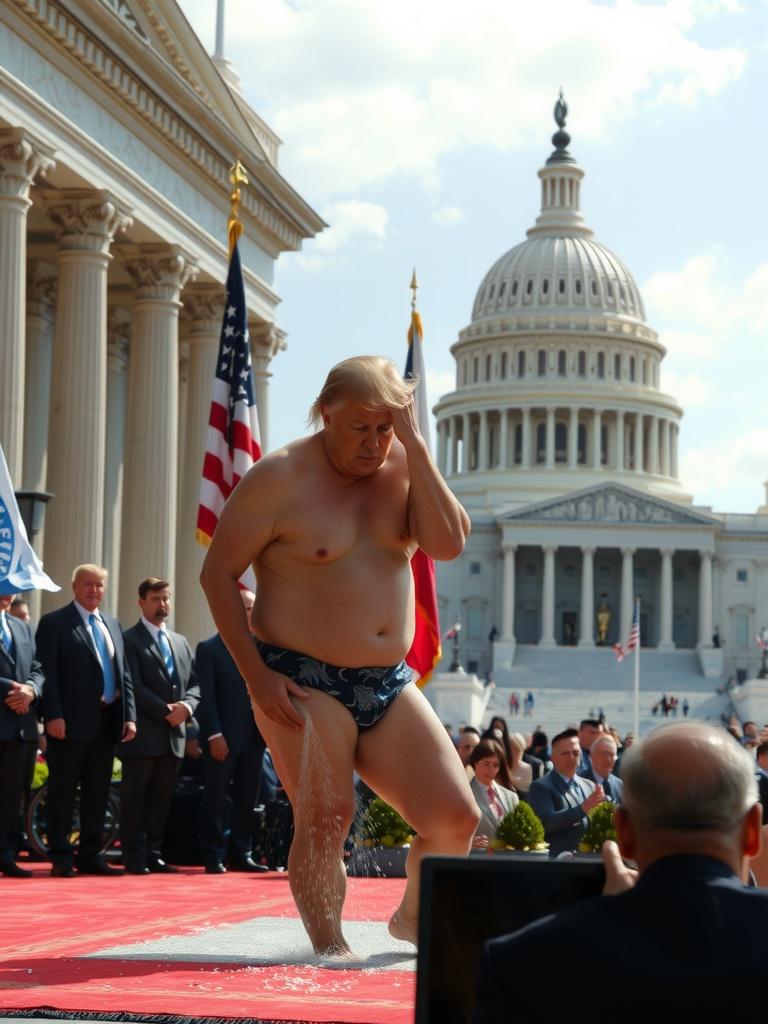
[403,928]
[336,948]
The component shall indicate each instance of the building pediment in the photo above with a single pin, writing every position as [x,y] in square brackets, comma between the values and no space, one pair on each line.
[608,504]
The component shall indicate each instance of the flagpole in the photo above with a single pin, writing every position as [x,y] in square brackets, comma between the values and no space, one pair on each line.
[637,673]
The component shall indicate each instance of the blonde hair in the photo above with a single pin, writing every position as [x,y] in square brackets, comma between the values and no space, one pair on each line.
[87,569]
[372,381]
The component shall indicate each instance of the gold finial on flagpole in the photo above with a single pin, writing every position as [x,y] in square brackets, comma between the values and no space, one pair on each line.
[414,287]
[237,176]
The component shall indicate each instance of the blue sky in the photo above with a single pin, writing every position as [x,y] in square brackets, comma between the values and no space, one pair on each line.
[416,130]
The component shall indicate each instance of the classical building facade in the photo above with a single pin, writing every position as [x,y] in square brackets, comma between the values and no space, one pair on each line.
[117,132]
[564,450]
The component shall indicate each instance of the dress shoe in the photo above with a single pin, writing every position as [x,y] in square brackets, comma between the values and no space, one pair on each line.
[11,869]
[215,869]
[247,864]
[159,867]
[137,870]
[63,871]
[98,867]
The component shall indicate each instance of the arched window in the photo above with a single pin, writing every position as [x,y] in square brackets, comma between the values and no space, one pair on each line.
[503,365]
[541,444]
[521,364]
[542,366]
[562,362]
[545,286]
[603,446]
[518,444]
[488,367]
[632,369]
[581,362]
[475,369]
[601,365]
[561,443]
[617,367]
[582,444]
[514,288]
[645,371]
[502,288]
[577,285]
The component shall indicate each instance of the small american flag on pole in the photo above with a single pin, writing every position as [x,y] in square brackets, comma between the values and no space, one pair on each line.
[233,444]
[632,641]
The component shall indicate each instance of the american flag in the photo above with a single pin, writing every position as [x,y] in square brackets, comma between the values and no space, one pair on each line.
[632,641]
[233,444]
[425,650]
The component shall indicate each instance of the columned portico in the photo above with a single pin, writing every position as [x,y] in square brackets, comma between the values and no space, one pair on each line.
[525,455]
[550,439]
[266,341]
[705,600]
[151,459]
[483,459]
[573,438]
[41,311]
[86,223]
[22,159]
[620,441]
[503,439]
[118,340]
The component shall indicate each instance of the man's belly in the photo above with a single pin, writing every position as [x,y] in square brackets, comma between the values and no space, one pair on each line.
[354,621]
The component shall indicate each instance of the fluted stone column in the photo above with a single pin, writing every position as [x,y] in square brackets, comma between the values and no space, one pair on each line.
[548,598]
[550,439]
[587,616]
[619,440]
[41,308]
[204,306]
[503,439]
[573,439]
[627,591]
[508,593]
[639,444]
[148,547]
[266,341]
[525,459]
[705,599]
[86,223]
[597,431]
[483,461]
[653,446]
[675,433]
[666,458]
[667,600]
[465,443]
[22,158]
[118,338]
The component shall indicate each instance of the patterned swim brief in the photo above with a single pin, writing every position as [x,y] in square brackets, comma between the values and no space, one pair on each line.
[365,692]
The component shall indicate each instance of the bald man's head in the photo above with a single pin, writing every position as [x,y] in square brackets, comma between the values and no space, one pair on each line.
[688,777]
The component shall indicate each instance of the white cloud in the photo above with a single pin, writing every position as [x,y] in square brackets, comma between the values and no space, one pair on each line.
[448,215]
[691,390]
[351,222]
[712,473]
[362,90]
[690,344]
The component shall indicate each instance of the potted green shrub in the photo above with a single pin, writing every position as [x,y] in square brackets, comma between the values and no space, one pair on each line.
[520,830]
[382,845]
[599,829]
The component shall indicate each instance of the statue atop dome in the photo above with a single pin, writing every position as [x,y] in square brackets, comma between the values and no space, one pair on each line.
[561,138]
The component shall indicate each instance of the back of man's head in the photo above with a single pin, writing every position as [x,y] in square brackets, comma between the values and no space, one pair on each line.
[688,788]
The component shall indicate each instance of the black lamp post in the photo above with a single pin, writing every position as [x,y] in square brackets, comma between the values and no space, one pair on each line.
[32,510]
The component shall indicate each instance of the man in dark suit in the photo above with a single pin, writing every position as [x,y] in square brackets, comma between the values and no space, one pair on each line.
[589,730]
[233,753]
[677,942]
[602,756]
[562,799]
[21,683]
[161,668]
[87,706]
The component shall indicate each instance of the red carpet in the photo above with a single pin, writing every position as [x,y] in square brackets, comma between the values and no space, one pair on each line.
[52,930]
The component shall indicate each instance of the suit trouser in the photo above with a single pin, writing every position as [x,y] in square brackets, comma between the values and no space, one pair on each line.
[238,776]
[146,793]
[13,757]
[89,764]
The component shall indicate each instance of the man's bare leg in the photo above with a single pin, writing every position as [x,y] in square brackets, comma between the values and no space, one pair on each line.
[315,767]
[409,760]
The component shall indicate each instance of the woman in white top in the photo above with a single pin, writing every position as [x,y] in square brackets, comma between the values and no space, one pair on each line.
[493,800]
[520,773]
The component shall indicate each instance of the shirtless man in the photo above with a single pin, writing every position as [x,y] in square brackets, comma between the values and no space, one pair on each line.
[330,523]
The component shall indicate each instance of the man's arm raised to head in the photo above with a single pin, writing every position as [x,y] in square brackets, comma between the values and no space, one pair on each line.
[247,525]
[436,519]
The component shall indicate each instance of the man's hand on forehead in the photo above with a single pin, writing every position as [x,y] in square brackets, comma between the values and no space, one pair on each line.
[404,421]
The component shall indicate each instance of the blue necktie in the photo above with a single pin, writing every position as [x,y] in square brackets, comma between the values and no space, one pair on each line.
[107,668]
[165,650]
[5,634]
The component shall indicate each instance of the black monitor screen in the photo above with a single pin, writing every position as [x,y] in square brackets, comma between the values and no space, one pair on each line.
[467,900]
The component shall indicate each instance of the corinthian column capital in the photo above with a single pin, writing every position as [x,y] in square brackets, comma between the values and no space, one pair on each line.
[22,159]
[159,271]
[204,308]
[86,219]
[266,340]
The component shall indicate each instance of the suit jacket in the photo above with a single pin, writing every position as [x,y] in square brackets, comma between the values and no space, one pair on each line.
[616,785]
[74,681]
[23,667]
[488,821]
[681,945]
[225,706]
[560,810]
[155,690]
